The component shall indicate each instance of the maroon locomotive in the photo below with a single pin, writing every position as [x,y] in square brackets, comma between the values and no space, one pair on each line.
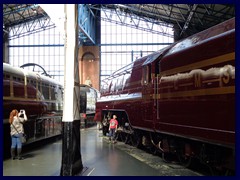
[40,96]
[179,100]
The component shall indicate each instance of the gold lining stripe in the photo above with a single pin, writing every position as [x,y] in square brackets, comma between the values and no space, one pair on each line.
[207,62]
[185,84]
[28,99]
[192,93]
[200,92]
[198,127]
[212,80]
[19,98]
[167,87]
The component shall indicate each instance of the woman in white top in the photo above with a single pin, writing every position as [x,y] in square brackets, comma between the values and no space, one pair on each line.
[16,131]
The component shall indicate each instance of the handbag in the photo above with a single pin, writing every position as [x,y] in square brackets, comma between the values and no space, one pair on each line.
[23,138]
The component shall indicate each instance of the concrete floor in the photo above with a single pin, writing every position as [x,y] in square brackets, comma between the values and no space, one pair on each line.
[99,159]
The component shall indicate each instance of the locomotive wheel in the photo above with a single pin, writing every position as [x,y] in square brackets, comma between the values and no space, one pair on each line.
[127,139]
[168,157]
[184,160]
[136,140]
[164,158]
[153,150]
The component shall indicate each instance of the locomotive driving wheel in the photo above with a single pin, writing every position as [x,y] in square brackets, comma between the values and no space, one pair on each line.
[184,159]
[136,139]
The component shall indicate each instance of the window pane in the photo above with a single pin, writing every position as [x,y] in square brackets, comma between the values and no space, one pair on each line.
[41,48]
[132,43]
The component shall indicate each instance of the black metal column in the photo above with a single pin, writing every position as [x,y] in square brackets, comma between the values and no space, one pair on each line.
[71,158]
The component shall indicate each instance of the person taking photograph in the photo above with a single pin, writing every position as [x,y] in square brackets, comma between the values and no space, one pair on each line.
[16,121]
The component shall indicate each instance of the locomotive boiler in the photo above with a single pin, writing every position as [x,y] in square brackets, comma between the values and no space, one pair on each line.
[179,100]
